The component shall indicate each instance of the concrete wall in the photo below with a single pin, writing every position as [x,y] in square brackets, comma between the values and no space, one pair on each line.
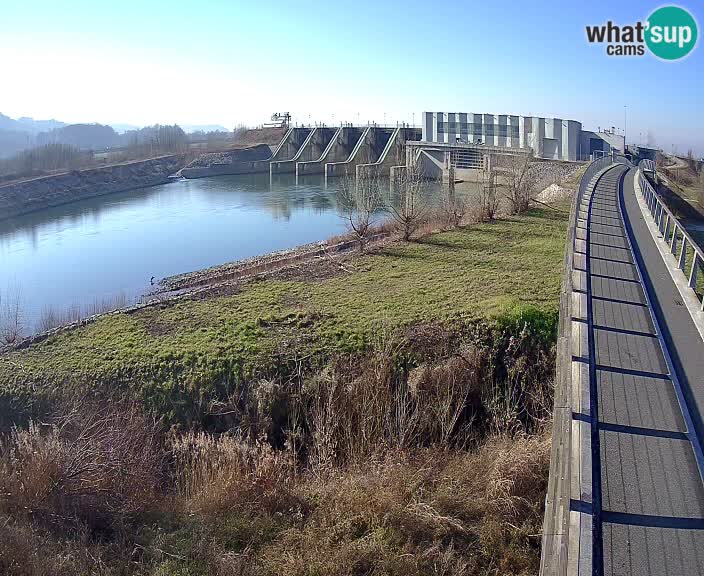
[338,150]
[312,148]
[40,193]
[368,150]
[393,154]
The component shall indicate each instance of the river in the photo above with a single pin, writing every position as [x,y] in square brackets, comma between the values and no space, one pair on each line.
[76,256]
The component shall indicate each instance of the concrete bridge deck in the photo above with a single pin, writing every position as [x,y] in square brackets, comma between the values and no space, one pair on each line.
[632,500]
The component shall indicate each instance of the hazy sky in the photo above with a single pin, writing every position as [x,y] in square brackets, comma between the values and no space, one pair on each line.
[232,62]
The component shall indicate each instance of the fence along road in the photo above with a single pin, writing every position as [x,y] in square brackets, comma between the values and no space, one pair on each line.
[625,494]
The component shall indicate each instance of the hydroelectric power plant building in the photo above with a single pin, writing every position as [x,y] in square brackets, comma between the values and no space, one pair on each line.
[551,138]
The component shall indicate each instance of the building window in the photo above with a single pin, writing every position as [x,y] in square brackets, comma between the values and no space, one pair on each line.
[489,130]
[514,131]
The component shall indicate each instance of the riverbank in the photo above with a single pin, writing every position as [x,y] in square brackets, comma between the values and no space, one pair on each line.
[398,399]
[36,194]
[484,272]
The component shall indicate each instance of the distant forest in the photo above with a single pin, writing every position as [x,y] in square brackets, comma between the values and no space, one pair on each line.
[34,148]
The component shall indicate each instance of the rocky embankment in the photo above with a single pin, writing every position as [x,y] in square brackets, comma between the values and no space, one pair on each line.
[547,172]
[30,195]
[240,161]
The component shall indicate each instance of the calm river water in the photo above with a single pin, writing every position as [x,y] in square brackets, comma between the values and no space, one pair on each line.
[97,249]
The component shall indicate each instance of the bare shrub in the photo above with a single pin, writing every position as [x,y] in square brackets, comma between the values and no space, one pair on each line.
[51,318]
[93,465]
[444,392]
[488,200]
[520,181]
[360,199]
[219,474]
[453,208]
[12,321]
[409,209]
[352,415]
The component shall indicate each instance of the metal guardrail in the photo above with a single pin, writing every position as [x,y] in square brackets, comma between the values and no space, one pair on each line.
[689,256]
[647,166]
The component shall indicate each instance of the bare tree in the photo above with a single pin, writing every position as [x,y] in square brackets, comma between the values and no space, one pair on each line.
[408,210]
[360,199]
[453,207]
[11,317]
[488,201]
[520,181]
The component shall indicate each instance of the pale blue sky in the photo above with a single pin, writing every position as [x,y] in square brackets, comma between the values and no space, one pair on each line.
[234,62]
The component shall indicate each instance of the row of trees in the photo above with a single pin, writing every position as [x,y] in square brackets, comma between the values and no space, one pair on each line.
[155,141]
[147,142]
[49,157]
[515,181]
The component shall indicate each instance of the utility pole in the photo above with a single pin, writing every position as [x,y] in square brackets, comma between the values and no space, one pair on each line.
[624,127]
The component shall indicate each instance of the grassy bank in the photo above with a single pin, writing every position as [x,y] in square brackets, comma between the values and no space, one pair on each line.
[500,274]
[386,413]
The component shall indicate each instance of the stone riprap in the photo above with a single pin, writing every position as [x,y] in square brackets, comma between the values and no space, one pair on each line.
[30,195]
[239,161]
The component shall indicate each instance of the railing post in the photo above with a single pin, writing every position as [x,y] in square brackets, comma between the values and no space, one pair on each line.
[696,263]
[666,229]
[673,242]
[683,254]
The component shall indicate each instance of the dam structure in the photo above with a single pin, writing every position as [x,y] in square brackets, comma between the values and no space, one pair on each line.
[393,154]
[312,148]
[339,149]
[323,150]
[368,150]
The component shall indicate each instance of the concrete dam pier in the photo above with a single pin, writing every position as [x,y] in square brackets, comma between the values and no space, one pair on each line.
[339,149]
[334,152]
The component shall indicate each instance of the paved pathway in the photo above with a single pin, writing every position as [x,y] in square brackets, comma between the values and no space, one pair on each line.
[638,369]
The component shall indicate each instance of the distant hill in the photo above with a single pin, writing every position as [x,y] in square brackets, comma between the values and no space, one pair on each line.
[36,126]
[26,124]
[23,133]
[18,135]
[83,136]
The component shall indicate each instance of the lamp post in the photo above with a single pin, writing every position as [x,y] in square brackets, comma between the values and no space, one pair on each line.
[624,127]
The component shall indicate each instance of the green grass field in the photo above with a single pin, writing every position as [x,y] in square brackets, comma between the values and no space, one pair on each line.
[495,272]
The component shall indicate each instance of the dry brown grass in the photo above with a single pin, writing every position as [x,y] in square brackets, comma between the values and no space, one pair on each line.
[92,467]
[424,456]
[422,512]
[218,474]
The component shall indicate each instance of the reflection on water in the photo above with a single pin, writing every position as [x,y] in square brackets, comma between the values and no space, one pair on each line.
[94,249]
